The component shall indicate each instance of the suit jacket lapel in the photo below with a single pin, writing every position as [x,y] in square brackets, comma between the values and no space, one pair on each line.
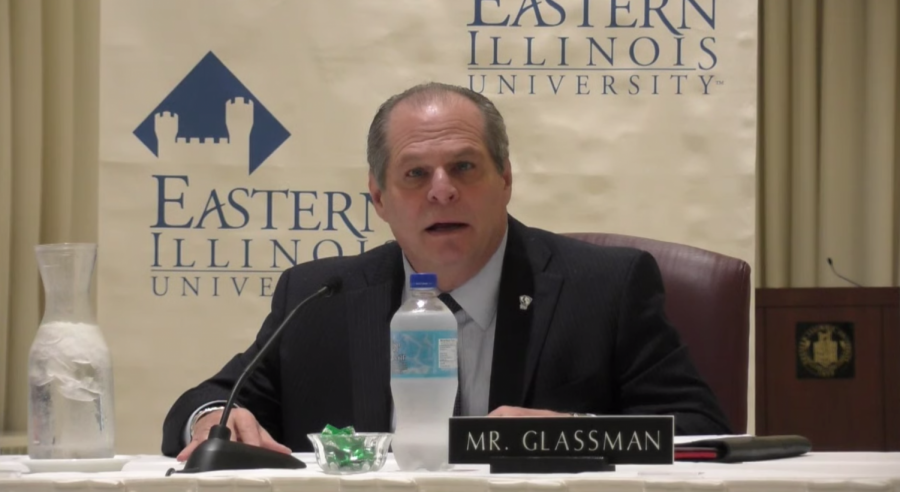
[520,333]
[546,294]
[369,312]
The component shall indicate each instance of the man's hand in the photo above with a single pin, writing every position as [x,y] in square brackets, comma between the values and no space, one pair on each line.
[505,411]
[244,428]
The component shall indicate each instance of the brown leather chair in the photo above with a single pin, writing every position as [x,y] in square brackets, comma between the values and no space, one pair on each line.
[708,301]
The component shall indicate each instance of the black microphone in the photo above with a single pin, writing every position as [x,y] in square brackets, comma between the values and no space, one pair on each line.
[831,264]
[219,452]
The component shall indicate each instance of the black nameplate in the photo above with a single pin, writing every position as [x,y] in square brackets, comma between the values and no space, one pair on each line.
[619,439]
[550,464]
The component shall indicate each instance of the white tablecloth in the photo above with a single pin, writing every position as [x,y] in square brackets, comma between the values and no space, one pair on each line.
[825,472]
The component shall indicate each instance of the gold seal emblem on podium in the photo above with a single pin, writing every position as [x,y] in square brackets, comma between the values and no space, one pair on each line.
[825,349]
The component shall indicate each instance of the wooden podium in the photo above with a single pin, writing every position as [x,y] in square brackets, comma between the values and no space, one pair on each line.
[828,366]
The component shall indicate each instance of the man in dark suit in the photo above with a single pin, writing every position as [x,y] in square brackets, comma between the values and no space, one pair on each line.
[548,325]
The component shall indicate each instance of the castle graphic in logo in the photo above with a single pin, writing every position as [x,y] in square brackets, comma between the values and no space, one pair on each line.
[211,117]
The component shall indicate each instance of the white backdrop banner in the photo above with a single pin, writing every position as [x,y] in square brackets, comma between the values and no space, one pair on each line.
[233,146]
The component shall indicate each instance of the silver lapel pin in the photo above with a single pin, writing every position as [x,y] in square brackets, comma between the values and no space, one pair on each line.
[524,302]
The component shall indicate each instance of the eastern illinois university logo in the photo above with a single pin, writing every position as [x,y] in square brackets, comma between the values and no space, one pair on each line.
[211,117]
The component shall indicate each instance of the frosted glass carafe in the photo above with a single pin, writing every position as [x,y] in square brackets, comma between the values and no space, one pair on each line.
[70,384]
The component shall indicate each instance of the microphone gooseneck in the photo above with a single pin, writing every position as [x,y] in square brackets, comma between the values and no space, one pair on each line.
[833,270]
[218,452]
[327,289]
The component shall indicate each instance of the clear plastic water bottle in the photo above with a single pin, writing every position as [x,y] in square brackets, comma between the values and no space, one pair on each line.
[423,376]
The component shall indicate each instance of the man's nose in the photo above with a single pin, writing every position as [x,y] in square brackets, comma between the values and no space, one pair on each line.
[442,190]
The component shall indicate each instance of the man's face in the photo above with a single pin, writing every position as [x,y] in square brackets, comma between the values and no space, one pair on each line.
[443,197]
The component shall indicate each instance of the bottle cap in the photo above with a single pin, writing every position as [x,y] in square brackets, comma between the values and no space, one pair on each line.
[423,281]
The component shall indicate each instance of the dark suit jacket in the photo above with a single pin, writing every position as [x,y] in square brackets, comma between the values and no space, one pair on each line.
[595,340]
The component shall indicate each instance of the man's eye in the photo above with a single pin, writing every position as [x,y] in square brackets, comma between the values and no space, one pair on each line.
[465,166]
[415,173]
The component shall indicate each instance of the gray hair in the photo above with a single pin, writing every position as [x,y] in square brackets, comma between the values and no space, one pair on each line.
[495,137]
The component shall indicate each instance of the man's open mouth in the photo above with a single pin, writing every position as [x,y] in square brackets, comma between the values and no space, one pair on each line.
[446,227]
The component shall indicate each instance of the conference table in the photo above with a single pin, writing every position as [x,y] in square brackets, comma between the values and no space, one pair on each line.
[824,472]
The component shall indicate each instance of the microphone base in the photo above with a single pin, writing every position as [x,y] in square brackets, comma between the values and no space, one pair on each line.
[222,454]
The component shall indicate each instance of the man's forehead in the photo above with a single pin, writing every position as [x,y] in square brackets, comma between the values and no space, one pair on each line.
[450,151]
[453,120]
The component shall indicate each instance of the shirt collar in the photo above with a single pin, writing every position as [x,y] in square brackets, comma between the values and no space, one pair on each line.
[478,296]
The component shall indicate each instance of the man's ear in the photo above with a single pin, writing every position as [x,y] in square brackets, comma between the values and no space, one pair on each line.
[507,177]
[507,173]
[375,192]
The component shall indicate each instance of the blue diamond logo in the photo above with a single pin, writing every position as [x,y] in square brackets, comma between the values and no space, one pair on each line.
[210,114]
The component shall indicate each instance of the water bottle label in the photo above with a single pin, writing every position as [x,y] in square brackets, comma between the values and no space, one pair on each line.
[423,354]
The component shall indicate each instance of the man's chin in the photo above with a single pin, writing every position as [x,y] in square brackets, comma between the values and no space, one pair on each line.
[442,258]
[446,245]
[449,259]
